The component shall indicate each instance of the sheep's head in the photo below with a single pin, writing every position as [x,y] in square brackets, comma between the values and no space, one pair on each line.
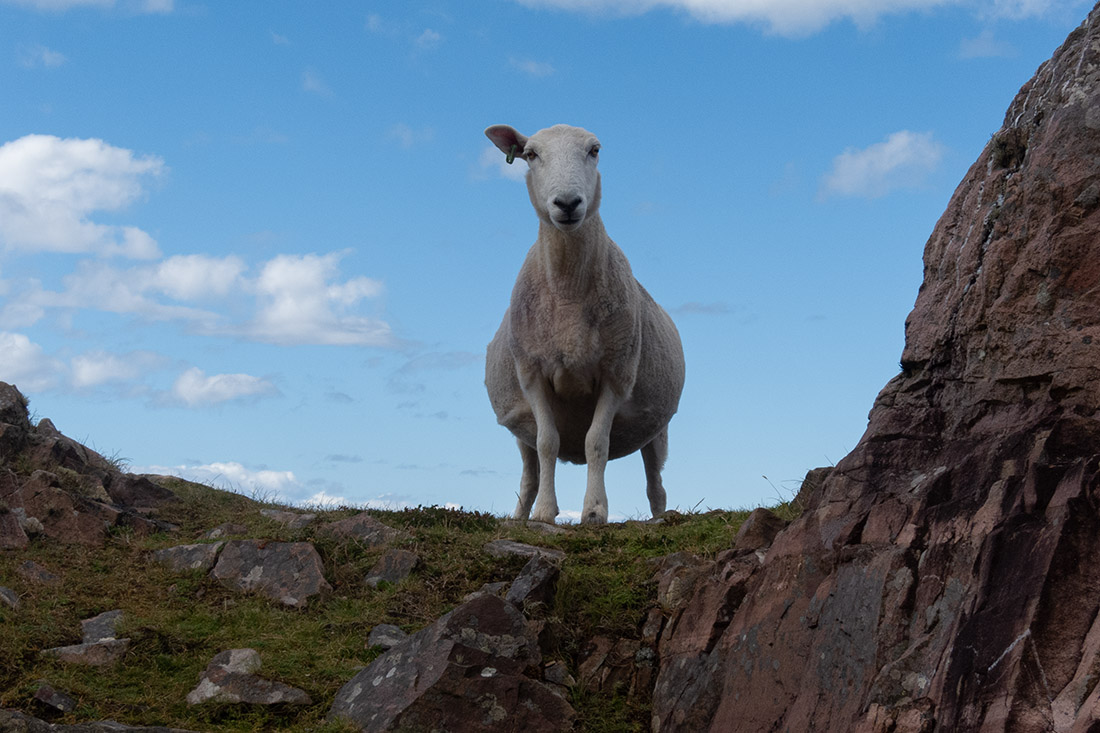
[562,177]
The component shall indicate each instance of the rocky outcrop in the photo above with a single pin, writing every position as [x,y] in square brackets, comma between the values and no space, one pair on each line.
[942,575]
[287,572]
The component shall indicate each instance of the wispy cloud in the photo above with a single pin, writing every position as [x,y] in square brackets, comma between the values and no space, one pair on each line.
[26,365]
[51,187]
[984,46]
[232,476]
[532,67]
[707,309]
[40,57]
[132,6]
[429,39]
[314,84]
[794,17]
[408,137]
[407,379]
[902,160]
[492,164]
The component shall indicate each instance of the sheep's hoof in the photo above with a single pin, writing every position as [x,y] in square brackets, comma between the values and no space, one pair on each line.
[594,518]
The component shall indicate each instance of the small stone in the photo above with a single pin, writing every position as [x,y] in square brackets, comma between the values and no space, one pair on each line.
[366,529]
[9,598]
[98,654]
[535,584]
[102,627]
[758,529]
[489,589]
[230,677]
[386,636]
[226,529]
[511,548]
[54,698]
[35,573]
[288,572]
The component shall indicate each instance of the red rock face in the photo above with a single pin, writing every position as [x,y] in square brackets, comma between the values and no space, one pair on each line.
[943,577]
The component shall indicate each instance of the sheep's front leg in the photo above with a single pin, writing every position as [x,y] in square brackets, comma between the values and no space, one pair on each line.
[596,445]
[654,454]
[547,443]
[529,482]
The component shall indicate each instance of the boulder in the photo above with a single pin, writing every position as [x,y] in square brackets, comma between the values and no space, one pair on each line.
[36,573]
[758,529]
[138,492]
[465,672]
[393,567]
[365,529]
[292,520]
[182,558]
[288,572]
[231,678]
[940,577]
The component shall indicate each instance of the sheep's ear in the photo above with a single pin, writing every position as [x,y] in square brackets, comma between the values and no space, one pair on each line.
[508,139]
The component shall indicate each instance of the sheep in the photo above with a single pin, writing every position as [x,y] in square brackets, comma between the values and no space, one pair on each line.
[585,366]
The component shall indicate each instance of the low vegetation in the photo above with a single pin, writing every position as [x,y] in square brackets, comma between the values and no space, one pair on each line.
[178,622]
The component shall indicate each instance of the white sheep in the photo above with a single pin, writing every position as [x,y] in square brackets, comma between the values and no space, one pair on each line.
[585,367]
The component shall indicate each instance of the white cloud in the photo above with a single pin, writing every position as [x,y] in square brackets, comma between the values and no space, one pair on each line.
[325,500]
[194,388]
[38,56]
[96,368]
[492,162]
[298,304]
[231,475]
[192,277]
[531,67]
[49,187]
[25,364]
[903,160]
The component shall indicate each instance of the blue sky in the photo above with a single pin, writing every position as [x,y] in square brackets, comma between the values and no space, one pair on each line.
[264,244]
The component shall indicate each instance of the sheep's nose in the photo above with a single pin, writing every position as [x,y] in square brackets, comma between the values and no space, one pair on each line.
[568,205]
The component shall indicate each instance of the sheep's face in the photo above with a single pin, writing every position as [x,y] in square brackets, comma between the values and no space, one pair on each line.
[562,178]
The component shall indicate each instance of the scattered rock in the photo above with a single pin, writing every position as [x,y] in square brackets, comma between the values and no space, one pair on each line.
[366,529]
[288,572]
[621,666]
[511,548]
[557,675]
[97,654]
[9,598]
[35,573]
[102,627]
[758,529]
[54,698]
[231,677]
[392,567]
[189,557]
[138,492]
[292,520]
[12,536]
[463,673]
[226,529]
[535,584]
[386,636]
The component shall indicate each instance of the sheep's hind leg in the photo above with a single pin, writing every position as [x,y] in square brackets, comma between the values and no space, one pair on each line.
[596,445]
[547,444]
[529,482]
[654,454]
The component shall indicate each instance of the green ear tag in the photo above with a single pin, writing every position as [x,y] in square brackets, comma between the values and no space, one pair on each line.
[512,155]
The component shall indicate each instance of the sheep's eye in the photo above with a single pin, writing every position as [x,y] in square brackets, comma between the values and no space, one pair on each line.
[531,155]
[594,152]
